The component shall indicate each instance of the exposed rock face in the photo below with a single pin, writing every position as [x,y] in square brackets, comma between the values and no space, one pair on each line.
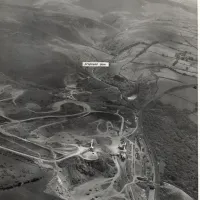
[79,170]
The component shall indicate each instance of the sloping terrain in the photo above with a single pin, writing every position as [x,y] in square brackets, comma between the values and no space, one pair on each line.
[175,142]
[90,133]
[43,47]
[169,191]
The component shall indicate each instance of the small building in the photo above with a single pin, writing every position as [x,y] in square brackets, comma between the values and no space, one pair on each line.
[122,146]
[91,146]
[123,156]
[122,150]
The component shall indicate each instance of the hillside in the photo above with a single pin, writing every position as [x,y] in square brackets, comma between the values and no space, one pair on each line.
[78,133]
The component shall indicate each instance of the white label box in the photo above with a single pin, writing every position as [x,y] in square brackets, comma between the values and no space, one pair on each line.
[95,64]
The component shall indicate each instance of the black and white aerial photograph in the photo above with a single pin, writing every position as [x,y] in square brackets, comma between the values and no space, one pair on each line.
[98,100]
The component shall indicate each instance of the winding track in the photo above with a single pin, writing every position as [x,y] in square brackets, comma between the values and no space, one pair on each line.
[87,110]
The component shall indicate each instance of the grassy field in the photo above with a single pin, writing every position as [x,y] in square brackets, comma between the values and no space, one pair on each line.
[178,101]
[39,97]
[17,169]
